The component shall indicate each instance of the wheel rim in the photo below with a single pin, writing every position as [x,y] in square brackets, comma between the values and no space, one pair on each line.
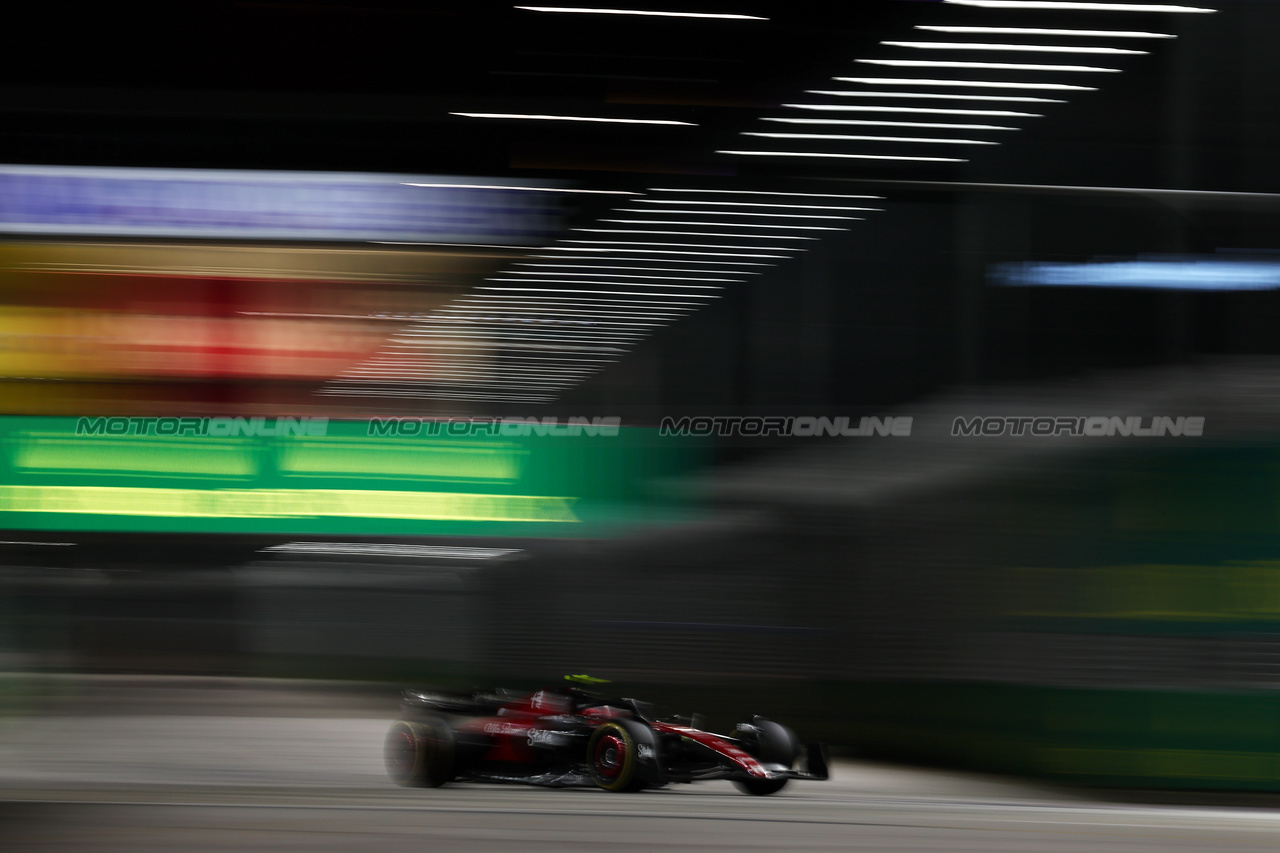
[609,757]
[402,752]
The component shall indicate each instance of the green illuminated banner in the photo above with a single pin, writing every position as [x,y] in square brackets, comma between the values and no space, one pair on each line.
[299,476]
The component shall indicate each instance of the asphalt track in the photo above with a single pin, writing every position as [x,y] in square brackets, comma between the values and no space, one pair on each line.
[150,782]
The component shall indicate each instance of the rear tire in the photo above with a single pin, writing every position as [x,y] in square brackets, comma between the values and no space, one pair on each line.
[420,754]
[612,758]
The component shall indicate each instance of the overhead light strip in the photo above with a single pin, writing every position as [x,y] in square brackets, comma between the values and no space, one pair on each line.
[972,84]
[603,283]
[861,108]
[598,119]
[935,96]
[647,261]
[611,299]
[931,125]
[565,311]
[669,212]
[594,322]
[646,243]
[519,188]
[1025,48]
[1042,31]
[641,12]
[1002,66]
[850,137]
[528,336]
[757,192]
[747,204]
[567,290]
[658,277]
[506,246]
[695,234]
[640,269]
[434,394]
[719,225]
[1080,7]
[842,156]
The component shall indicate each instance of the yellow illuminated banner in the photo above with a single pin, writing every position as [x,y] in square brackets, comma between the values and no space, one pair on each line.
[312,475]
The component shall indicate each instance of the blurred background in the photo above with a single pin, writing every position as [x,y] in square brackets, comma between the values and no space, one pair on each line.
[235,238]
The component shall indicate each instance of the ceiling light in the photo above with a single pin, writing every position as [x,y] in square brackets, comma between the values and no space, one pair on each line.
[602,283]
[872,123]
[719,225]
[753,203]
[758,192]
[646,261]
[973,84]
[936,96]
[606,297]
[576,10]
[1075,6]
[1027,48]
[844,156]
[566,290]
[1003,66]
[522,189]
[576,118]
[692,234]
[640,269]
[1041,31]
[871,138]
[736,212]
[606,275]
[586,244]
[860,108]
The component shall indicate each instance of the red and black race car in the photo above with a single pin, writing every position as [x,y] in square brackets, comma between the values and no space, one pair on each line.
[566,736]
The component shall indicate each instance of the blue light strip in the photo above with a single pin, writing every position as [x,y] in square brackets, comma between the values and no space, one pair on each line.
[1171,273]
[253,205]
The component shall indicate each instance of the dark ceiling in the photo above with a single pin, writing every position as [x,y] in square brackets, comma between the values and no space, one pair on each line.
[371,87]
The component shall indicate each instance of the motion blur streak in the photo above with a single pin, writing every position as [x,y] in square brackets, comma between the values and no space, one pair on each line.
[1078,6]
[588,11]
[1041,31]
[973,84]
[1163,273]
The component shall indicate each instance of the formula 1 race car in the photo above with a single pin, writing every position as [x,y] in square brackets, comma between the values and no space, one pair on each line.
[566,736]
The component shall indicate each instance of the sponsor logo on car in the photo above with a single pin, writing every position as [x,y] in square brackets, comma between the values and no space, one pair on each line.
[543,737]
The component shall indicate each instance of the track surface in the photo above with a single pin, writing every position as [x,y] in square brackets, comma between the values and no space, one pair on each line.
[227,783]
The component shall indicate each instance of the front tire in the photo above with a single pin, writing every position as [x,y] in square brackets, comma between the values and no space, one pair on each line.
[760,787]
[774,744]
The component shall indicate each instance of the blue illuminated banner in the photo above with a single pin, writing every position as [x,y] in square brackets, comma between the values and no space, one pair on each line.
[255,205]
[1172,272]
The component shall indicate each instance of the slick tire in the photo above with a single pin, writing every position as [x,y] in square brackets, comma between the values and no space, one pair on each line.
[612,758]
[776,745]
[760,787]
[419,754]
